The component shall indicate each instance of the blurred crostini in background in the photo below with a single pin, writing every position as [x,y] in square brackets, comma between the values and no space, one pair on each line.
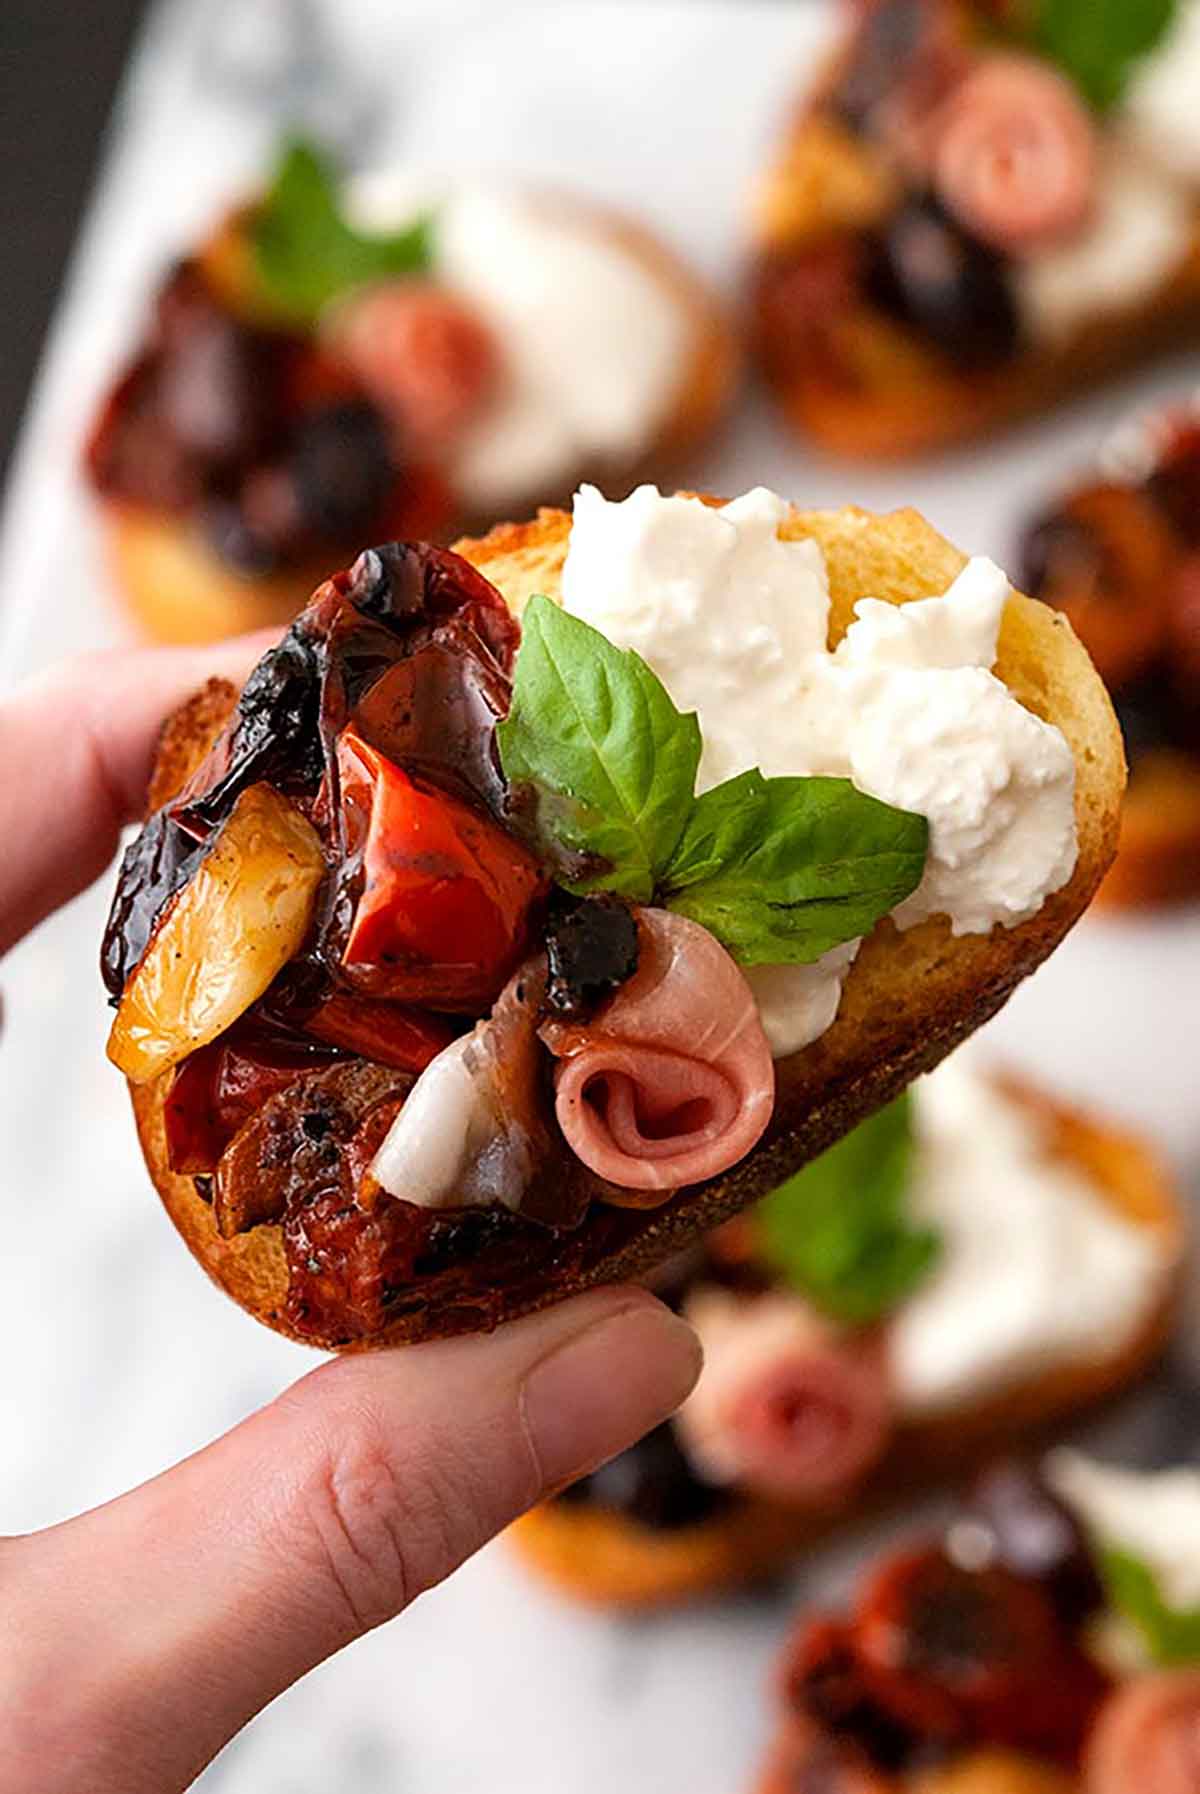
[974,1262]
[1119,553]
[400,357]
[1046,1642]
[977,207]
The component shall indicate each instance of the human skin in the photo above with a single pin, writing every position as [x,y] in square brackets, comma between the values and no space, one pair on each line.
[138,1638]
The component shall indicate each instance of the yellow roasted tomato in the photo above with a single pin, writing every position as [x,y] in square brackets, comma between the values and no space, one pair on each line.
[223,938]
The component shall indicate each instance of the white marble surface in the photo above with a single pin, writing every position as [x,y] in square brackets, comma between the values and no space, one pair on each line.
[126,1358]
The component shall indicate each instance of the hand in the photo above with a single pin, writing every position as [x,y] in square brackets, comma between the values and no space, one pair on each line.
[136,1639]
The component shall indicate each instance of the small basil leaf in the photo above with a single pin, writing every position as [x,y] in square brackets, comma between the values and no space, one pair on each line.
[305,250]
[1099,42]
[725,825]
[1172,1635]
[610,762]
[837,1230]
[822,865]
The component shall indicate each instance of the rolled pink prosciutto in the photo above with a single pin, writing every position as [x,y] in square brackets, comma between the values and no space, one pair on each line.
[1014,153]
[672,1081]
[1147,1738]
[785,1406]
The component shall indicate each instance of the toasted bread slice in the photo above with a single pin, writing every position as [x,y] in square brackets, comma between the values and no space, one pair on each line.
[180,590]
[876,390]
[909,997]
[602,1558]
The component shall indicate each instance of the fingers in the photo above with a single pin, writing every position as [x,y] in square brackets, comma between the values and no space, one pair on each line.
[171,1616]
[76,746]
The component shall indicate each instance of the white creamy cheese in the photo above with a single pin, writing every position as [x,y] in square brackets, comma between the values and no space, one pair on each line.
[797,1003]
[1154,1515]
[1161,109]
[1037,1270]
[1139,234]
[594,344]
[735,623]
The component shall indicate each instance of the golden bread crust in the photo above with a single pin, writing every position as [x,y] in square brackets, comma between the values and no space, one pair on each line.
[908,999]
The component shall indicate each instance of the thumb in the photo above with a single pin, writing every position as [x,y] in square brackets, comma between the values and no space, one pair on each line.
[206,1592]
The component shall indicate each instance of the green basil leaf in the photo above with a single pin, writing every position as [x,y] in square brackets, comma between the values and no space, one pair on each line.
[1099,42]
[837,1230]
[1172,1635]
[820,864]
[305,250]
[725,825]
[610,762]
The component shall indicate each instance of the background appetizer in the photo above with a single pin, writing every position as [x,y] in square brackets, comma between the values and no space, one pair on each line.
[451,978]
[977,207]
[1120,554]
[1048,1643]
[973,1261]
[401,358]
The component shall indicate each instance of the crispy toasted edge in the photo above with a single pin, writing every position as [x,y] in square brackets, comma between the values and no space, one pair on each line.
[936,407]
[939,988]
[178,590]
[604,1559]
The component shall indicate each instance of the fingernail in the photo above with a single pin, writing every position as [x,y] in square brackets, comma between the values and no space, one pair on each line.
[607,1385]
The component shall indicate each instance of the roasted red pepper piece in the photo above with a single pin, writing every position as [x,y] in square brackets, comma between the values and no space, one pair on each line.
[443,914]
[221,1085]
[387,1033]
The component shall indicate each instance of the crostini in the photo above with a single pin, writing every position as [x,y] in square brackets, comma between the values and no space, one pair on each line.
[1047,1643]
[1120,555]
[541,904]
[972,1262]
[977,207]
[388,359]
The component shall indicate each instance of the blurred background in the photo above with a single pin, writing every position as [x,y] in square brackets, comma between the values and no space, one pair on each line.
[123,1358]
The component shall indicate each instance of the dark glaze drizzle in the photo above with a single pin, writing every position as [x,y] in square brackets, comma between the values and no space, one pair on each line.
[414,649]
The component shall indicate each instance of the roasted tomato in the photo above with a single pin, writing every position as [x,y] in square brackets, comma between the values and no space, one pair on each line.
[1106,559]
[218,1088]
[1025,1528]
[443,911]
[827,1682]
[387,1033]
[224,937]
[985,1646]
